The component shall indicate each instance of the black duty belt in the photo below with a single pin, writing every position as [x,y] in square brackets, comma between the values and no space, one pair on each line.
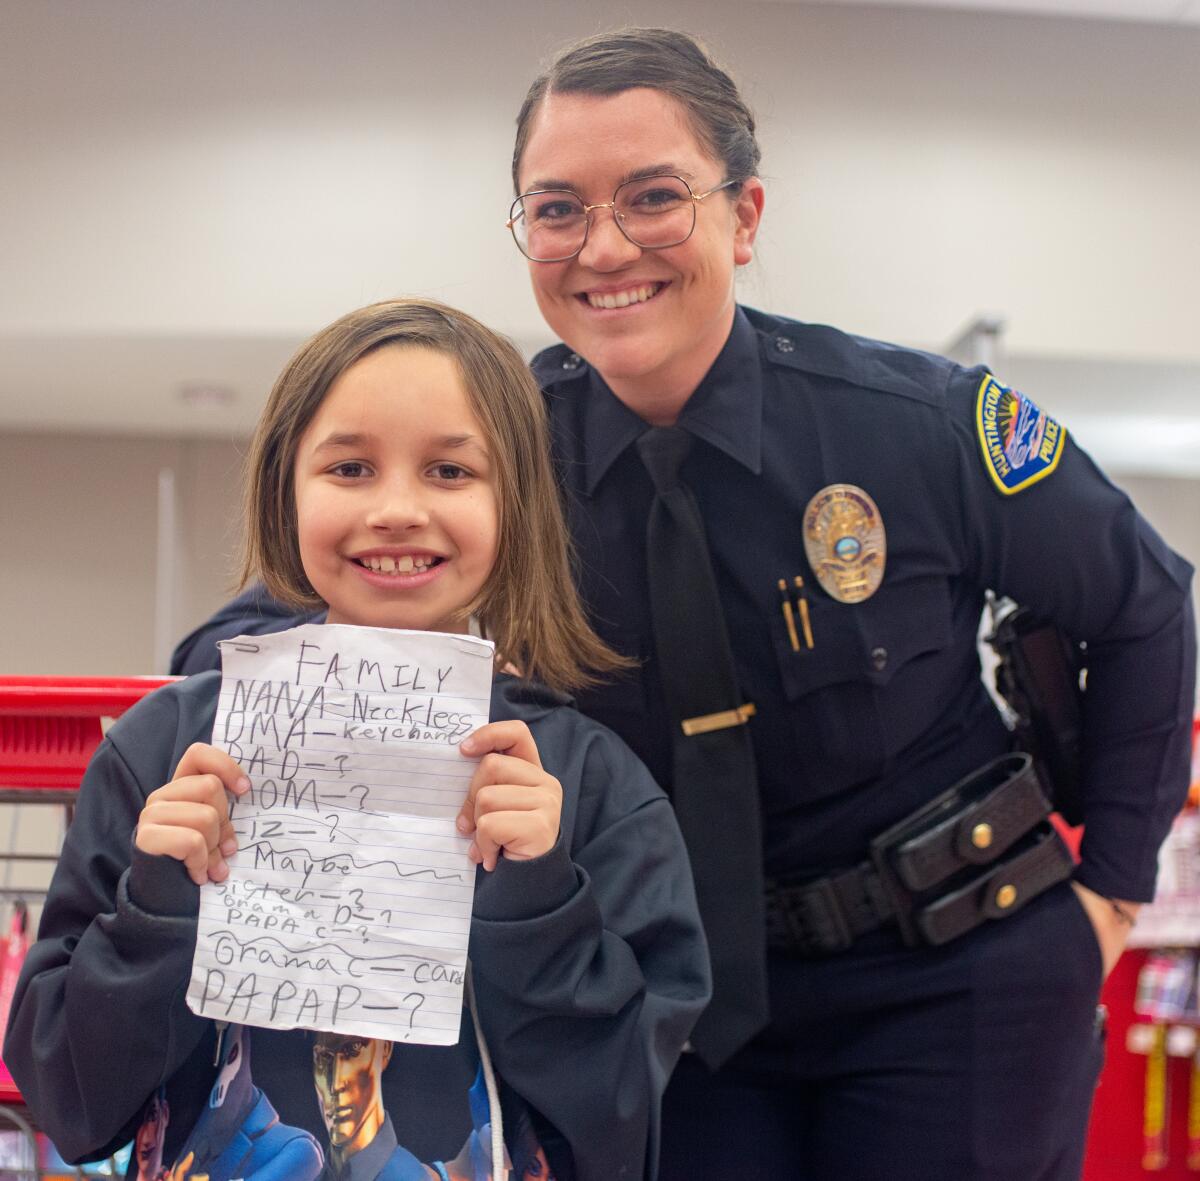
[978,851]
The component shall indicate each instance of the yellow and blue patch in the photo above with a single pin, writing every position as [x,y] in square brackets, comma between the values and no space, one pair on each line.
[1021,444]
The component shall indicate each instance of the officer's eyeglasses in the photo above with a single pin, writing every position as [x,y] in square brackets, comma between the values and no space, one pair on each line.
[653,212]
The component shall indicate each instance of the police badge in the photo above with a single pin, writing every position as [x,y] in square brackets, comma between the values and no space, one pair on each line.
[845,542]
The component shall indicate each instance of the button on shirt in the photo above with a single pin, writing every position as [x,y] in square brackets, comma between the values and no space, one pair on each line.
[887,708]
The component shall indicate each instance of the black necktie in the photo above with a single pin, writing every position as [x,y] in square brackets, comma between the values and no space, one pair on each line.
[715,788]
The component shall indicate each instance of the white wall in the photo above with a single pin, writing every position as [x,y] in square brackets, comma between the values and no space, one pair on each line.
[79,534]
[223,169]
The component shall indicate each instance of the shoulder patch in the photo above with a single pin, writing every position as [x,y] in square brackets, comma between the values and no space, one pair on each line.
[1020,443]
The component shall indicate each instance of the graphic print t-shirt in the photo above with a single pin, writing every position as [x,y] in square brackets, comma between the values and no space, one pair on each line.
[297,1106]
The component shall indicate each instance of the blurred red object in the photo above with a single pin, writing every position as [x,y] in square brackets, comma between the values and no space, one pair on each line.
[50,726]
[49,730]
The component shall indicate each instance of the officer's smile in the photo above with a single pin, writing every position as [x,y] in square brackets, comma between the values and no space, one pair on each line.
[626,296]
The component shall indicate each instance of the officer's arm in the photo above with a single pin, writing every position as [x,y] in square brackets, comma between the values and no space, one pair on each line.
[1055,535]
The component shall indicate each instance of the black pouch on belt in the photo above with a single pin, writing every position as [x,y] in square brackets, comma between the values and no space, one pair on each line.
[980,850]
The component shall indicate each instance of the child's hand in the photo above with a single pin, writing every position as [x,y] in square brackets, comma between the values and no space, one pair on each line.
[188,818]
[512,804]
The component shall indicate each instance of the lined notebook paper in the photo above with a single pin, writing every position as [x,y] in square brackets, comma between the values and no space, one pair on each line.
[348,903]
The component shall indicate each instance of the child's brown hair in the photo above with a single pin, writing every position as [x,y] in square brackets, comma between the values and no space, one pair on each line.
[528,605]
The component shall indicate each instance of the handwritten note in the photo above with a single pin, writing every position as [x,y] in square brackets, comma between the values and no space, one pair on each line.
[348,903]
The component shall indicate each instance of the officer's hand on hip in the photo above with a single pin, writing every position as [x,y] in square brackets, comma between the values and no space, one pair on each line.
[1111,920]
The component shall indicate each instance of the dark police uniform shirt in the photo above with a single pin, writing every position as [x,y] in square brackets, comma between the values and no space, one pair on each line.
[887,708]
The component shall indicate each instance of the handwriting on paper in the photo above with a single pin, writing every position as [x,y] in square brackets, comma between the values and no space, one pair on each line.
[348,903]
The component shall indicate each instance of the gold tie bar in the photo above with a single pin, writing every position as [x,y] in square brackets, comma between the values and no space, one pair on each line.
[706,723]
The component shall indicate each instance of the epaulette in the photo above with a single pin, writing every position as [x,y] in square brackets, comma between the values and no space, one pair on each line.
[872,364]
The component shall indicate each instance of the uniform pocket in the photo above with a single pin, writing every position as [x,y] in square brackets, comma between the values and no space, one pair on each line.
[840,690]
[1033,1034]
[1087,941]
[870,641]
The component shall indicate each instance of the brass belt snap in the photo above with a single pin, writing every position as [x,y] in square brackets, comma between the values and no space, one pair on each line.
[981,835]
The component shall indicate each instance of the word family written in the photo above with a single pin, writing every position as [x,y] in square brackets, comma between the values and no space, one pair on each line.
[348,903]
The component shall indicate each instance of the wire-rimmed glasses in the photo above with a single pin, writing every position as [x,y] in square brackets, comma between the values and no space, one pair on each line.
[653,212]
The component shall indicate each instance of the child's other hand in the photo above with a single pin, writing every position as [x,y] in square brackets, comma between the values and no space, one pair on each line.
[188,818]
[512,805]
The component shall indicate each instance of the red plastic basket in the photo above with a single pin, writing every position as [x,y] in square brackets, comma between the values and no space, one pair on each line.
[50,726]
[49,729]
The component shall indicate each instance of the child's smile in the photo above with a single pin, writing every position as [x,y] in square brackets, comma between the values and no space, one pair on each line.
[392,564]
[397,511]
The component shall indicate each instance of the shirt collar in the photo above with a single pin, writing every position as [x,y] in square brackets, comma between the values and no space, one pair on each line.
[369,1163]
[725,410]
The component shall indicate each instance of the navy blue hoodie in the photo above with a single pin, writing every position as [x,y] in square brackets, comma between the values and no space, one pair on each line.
[589,970]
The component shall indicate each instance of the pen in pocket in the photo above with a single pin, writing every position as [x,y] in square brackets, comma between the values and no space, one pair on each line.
[789,618]
[794,604]
[805,622]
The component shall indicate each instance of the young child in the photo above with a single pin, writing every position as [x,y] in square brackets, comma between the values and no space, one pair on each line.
[400,477]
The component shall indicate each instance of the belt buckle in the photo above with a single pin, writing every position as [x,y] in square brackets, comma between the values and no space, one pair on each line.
[835,934]
[812,917]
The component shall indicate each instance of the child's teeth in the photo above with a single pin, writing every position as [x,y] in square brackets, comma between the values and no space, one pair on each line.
[405,564]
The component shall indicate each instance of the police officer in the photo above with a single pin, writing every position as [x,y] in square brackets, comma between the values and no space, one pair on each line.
[927,1008]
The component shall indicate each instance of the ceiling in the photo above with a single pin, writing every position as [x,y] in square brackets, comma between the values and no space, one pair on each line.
[1170,11]
[190,189]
